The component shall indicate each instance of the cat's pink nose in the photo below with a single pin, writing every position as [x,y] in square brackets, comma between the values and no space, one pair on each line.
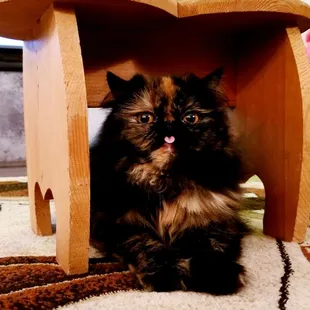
[170,139]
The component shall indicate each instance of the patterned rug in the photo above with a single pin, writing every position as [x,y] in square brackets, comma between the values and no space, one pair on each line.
[37,282]
[278,274]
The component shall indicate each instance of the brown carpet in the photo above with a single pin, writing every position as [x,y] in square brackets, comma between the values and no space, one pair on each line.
[39,283]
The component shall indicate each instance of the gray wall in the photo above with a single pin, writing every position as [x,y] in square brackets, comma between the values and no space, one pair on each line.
[12,138]
[12,144]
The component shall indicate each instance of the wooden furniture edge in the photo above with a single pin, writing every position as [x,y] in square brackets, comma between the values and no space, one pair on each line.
[25,13]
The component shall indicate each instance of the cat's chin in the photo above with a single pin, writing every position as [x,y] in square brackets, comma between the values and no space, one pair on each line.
[168,147]
[163,157]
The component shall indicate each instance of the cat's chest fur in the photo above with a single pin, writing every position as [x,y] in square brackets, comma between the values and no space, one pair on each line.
[193,208]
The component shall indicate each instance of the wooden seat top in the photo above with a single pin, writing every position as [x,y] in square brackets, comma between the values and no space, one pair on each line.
[18,17]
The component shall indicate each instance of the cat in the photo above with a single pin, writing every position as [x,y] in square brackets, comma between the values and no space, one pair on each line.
[165,175]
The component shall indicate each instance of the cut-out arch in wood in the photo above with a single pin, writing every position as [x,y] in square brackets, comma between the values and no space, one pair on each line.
[41,213]
[48,194]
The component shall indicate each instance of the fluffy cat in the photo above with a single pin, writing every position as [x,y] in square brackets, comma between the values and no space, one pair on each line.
[165,177]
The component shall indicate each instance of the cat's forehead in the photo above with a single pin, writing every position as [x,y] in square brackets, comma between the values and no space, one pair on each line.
[168,87]
[159,94]
[161,90]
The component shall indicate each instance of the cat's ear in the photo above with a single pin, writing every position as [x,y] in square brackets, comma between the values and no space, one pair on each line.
[116,84]
[213,79]
[117,87]
[211,83]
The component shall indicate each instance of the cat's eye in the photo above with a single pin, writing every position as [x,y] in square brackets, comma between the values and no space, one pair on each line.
[146,118]
[191,118]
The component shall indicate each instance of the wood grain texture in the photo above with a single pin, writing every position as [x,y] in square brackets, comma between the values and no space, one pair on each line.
[170,6]
[272,108]
[235,12]
[196,7]
[56,134]
[18,17]
[303,69]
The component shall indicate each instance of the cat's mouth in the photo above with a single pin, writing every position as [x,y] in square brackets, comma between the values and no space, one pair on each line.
[169,143]
[164,155]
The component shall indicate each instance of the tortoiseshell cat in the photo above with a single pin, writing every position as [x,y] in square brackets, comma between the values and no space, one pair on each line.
[165,180]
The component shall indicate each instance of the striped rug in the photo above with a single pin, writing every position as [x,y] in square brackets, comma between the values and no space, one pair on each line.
[37,282]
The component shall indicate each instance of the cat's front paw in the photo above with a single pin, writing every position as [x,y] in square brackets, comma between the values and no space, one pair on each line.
[220,277]
[165,280]
[229,280]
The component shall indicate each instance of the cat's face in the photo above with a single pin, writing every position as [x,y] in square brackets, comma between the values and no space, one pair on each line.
[169,117]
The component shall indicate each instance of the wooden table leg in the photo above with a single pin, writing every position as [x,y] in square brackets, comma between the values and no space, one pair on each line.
[56,135]
[273,99]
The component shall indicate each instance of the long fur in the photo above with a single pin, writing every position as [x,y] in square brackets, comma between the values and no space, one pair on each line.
[169,211]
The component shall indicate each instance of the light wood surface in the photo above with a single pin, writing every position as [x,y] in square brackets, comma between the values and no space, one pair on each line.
[56,136]
[18,17]
[273,109]
[194,7]
[303,70]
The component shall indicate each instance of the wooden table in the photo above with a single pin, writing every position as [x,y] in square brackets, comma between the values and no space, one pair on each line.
[69,46]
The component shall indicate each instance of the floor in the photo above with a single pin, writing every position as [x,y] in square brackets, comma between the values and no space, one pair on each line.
[13,172]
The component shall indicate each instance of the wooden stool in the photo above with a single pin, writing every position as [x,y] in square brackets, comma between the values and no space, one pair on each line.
[69,46]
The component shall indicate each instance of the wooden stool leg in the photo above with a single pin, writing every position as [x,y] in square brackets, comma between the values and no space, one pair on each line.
[56,125]
[303,71]
[72,229]
[40,215]
[272,100]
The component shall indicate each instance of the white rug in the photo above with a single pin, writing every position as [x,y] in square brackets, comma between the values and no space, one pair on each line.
[262,259]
